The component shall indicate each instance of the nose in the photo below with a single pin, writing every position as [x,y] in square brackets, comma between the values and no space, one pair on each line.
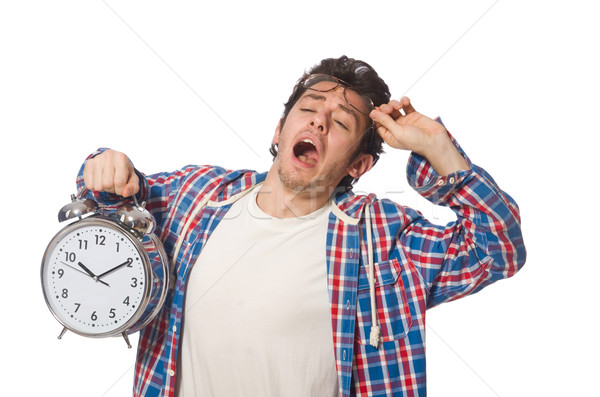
[318,122]
[318,126]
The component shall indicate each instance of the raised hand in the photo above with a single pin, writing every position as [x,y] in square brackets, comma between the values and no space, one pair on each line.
[402,127]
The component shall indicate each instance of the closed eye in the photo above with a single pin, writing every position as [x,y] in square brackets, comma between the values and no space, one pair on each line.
[341,125]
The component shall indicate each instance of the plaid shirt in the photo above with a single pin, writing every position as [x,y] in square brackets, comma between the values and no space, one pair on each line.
[417,265]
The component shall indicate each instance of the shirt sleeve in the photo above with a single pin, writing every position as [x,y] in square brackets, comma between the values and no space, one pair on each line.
[482,246]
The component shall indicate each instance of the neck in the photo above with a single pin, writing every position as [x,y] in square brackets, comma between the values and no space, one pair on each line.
[280,201]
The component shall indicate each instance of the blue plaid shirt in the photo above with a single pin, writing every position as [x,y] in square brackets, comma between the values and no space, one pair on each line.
[417,265]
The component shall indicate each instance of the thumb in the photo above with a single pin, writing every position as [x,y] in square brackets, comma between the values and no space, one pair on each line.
[132,186]
[386,127]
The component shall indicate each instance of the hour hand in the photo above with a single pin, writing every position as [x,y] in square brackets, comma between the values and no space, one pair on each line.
[91,274]
[88,271]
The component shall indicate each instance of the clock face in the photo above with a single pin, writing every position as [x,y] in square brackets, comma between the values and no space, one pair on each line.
[93,277]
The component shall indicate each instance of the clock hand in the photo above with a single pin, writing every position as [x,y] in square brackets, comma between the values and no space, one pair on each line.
[88,271]
[127,262]
[92,275]
[74,268]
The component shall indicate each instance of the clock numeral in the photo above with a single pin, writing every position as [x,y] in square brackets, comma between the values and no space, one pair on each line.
[83,244]
[70,256]
[134,282]
[94,317]
[112,313]
[117,246]
[77,308]
[60,272]
[126,301]
[65,293]
[100,239]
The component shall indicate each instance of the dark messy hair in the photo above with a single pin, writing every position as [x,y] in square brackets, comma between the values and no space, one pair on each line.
[365,79]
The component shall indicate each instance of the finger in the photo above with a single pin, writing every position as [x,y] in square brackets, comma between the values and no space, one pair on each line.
[386,108]
[381,130]
[120,166]
[388,137]
[97,178]
[406,105]
[391,109]
[387,126]
[396,104]
[396,114]
[88,178]
[121,177]
[108,179]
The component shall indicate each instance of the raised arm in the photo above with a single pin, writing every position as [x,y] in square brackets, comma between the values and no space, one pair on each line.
[485,243]
[401,127]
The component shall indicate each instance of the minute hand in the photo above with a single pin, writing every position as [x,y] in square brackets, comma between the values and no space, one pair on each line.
[127,262]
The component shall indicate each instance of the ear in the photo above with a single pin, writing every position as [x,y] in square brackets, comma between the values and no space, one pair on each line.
[361,164]
[277,132]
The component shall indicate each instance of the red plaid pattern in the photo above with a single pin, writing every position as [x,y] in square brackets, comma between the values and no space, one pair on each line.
[417,265]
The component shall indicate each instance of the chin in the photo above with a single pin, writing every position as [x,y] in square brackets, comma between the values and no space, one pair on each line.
[293,181]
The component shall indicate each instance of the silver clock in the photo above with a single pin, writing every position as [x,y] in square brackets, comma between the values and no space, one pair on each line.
[106,273]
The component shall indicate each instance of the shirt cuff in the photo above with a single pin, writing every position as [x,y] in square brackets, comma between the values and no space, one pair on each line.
[428,183]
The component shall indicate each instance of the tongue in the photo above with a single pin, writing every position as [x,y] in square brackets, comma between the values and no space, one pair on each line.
[305,159]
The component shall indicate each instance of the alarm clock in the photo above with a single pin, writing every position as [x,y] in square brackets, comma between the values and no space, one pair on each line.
[106,273]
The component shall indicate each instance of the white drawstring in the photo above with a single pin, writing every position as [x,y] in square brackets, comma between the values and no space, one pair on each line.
[375,330]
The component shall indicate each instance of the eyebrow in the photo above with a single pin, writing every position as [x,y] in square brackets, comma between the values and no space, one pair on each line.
[346,109]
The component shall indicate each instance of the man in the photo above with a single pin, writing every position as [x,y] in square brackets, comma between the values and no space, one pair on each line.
[288,283]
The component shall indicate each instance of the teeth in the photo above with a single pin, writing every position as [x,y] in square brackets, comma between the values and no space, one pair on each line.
[308,141]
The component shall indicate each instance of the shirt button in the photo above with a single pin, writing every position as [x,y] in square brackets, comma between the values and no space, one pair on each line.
[347,305]
[174,328]
[451,180]
[440,182]
[344,355]
[171,372]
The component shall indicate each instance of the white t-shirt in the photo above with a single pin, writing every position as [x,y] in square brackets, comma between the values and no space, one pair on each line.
[257,319]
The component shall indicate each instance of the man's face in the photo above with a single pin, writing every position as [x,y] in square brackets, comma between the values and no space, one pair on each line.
[319,140]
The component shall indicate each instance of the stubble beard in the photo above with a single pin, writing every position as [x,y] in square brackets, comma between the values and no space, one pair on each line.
[292,181]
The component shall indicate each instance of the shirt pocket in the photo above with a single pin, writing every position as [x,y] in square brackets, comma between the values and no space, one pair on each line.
[392,306]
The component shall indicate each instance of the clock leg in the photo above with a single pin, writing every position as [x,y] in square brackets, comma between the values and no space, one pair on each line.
[126,339]
[62,332]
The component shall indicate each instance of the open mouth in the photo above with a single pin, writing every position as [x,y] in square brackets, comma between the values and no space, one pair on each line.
[306,151]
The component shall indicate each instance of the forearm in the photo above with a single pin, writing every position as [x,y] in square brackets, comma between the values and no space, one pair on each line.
[444,157]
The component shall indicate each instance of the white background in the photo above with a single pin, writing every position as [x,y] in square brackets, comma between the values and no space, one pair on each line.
[173,83]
